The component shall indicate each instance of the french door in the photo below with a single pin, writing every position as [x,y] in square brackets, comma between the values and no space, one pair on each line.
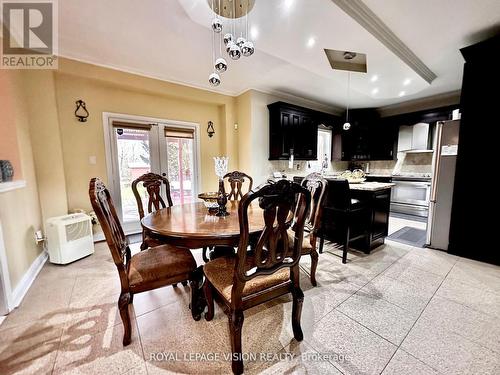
[136,147]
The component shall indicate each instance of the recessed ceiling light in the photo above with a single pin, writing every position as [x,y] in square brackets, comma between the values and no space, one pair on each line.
[254,32]
[402,93]
[374,78]
[311,42]
[375,91]
[406,82]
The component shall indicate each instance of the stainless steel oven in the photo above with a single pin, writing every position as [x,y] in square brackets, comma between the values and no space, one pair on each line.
[411,195]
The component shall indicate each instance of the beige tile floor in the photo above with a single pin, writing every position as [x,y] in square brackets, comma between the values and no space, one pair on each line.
[400,310]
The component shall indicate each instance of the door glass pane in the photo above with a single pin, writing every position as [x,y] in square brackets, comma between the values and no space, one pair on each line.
[180,169]
[133,161]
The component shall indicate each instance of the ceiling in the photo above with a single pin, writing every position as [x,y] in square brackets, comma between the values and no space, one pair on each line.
[171,40]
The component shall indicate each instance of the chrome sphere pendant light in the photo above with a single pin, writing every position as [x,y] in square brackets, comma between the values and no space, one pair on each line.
[228,38]
[220,65]
[214,79]
[217,25]
[247,49]
[347,125]
[234,51]
[235,37]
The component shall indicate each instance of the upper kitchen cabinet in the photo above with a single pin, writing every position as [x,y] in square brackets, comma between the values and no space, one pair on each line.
[369,138]
[294,129]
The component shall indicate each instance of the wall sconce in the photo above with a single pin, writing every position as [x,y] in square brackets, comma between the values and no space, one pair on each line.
[210,129]
[81,111]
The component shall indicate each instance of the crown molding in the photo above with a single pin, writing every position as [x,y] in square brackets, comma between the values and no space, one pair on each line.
[435,101]
[140,73]
[363,15]
[299,100]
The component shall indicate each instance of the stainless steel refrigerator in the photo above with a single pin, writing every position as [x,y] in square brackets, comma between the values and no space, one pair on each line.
[443,179]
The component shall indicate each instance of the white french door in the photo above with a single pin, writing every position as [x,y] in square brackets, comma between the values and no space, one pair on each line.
[138,145]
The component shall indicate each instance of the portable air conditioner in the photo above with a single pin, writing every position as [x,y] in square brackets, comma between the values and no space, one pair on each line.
[69,238]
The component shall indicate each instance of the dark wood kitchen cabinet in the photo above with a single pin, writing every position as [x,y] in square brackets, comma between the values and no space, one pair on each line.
[369,138]
[293,129]
[473,227]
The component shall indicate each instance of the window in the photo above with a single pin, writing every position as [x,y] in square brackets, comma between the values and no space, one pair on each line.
[180,158]
[324,148]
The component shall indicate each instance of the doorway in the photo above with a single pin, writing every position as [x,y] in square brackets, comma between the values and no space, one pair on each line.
[137,145]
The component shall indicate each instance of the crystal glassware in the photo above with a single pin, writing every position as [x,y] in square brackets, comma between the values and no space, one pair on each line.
[220,171]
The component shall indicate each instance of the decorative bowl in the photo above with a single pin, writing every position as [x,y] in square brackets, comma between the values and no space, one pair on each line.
[210,200]
[355,177]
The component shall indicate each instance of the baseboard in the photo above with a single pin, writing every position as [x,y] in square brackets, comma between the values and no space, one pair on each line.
[24,285]
[98,237]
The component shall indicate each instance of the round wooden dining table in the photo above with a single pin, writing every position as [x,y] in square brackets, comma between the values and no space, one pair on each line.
[192,226]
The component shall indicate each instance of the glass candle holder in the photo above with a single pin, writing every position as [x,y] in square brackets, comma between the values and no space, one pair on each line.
[221,165]
[220,171]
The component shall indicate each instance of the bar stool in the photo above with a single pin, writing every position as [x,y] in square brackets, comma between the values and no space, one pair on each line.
[340,215]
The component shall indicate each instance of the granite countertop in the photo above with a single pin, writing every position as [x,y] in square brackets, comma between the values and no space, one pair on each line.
[371,186]
[378,175]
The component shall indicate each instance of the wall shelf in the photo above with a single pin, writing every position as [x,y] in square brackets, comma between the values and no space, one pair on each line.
[12,185]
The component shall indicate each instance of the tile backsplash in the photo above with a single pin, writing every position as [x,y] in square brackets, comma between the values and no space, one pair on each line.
[407,163]
[417,162]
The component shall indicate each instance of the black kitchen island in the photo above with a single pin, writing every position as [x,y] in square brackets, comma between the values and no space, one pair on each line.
[367,227]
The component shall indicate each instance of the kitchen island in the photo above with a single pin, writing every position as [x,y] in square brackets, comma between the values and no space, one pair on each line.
[369,226]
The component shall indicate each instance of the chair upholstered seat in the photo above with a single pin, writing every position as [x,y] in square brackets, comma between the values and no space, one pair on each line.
[220,273]
[163,264]
[306,241]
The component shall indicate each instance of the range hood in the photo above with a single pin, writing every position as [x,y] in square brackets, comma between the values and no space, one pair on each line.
[414,138]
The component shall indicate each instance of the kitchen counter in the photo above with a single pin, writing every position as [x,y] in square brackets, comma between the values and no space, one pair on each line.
[369,227]
[387,175]
[371,186]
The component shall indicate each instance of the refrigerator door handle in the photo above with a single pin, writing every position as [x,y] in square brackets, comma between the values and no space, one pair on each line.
[435,161]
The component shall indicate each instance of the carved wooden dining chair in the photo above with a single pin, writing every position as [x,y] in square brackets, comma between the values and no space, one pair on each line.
[316,185]
[152,184]
[236,180]
[146,270]
[270,270]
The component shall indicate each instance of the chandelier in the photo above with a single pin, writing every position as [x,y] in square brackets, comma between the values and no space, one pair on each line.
[232,33]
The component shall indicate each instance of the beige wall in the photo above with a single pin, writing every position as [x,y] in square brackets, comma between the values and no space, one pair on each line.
[9,149]
[41,103]
[20,213]
[105,90]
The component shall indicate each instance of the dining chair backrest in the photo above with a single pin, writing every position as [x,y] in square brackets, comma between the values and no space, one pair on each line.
[152,183]
[271,252]
[339,195]
[113,232]
[316,185]
[236,180]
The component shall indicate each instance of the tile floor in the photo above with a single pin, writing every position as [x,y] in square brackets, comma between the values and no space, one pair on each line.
[400,310]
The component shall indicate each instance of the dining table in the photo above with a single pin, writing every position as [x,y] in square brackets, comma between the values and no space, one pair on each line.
[192,226]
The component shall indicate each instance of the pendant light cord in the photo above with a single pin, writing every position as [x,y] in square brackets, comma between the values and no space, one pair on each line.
[246,22]
[348,95]
[220,39]
[213,38]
